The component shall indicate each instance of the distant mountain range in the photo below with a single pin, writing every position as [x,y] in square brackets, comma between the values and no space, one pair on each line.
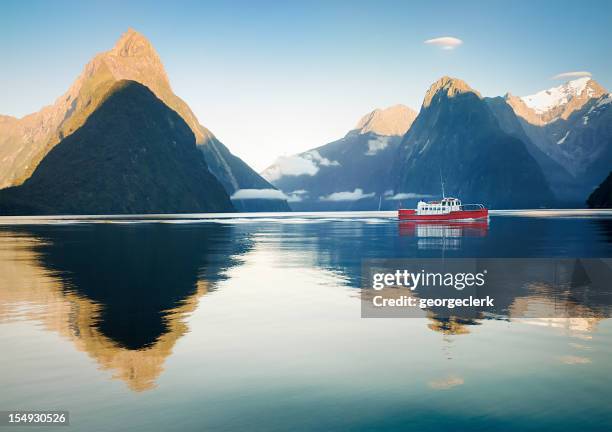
[552,148]
[572,126]
[26,142]
[548,149]
[335,176]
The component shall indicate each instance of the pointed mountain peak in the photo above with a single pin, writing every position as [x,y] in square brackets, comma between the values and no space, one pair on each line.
[392,121]
[133,58]
[448,86]
[132,44]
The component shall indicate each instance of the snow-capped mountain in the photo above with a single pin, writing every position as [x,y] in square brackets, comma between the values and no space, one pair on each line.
[571,125]
[546,100]
[584,140]
[559,102]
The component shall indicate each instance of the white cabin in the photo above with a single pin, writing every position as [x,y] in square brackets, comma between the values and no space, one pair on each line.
[444,206]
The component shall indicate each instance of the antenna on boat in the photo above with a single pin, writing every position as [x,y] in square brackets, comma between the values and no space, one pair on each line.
[442,183]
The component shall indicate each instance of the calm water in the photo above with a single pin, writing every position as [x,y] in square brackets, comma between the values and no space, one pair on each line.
[253,324]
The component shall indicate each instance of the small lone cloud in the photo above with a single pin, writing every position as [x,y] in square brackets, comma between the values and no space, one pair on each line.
[270,194]
[445,42]
[571,75]
[356,195]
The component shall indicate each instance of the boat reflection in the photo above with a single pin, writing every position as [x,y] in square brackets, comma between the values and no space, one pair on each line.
[433,235]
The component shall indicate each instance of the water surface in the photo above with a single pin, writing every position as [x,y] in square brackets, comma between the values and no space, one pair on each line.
[225,322]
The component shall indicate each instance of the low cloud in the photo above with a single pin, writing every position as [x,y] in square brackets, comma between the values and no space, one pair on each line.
[570,75]
[376,145]
[316,157]
[356,195]
[297,165]
[297,195]
[404,195]
[270,194]
[290,166]
[445,42]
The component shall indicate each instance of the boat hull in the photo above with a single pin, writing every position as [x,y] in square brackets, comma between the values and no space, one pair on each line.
[408,214]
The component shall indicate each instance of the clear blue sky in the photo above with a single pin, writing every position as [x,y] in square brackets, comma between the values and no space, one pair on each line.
[271,78]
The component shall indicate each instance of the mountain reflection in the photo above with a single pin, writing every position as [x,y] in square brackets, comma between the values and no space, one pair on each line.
[120,293]
[452,325]
[560,297]
[604,226]
[573,294]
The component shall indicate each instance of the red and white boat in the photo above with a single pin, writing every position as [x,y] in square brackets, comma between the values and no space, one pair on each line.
[447,209]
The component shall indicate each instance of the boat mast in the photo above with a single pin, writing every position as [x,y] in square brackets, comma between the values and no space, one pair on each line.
[442,183]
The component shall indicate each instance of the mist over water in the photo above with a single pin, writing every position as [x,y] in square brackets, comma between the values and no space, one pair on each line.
[217,322]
